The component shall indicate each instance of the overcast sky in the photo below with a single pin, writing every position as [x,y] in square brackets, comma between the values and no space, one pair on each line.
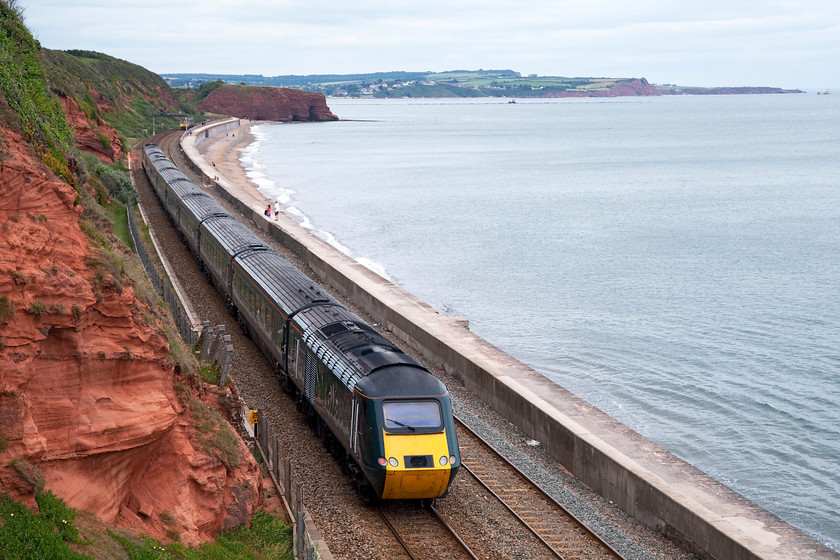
[783,43]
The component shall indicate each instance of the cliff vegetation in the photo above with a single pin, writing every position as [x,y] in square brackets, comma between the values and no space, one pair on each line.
[113,92]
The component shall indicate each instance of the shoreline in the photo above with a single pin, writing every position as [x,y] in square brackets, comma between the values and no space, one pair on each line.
[225,154]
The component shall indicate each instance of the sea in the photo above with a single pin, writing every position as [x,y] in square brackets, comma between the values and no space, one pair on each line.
[675,261]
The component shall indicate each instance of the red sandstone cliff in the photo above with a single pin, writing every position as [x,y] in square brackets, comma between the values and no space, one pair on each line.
[267,103]
[101,140]
[87,394]
[633,87]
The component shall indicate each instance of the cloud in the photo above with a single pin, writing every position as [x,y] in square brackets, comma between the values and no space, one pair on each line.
[781,39]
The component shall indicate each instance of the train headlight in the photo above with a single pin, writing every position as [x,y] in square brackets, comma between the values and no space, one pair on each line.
[452,459]
[443,460]
[382,461]
[393,462]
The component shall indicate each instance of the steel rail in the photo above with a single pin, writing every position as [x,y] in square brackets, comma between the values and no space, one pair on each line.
[513,512]
[396,533]
[538,489]
[430,506]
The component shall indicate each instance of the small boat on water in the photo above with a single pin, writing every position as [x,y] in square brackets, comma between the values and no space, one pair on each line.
[511,101]
[826,92]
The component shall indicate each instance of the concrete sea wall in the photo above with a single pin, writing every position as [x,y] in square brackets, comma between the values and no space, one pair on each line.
[640,476]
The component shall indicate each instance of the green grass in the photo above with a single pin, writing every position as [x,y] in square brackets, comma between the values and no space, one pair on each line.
[45,535]
[51,534]
[209,374]
[268,538]
[120,218]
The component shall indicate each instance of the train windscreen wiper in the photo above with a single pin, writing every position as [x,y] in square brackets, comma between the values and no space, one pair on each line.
[398,423]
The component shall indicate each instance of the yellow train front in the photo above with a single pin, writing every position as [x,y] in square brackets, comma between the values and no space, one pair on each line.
[405,440]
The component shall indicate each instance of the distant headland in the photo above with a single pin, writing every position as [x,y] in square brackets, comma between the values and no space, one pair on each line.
[462,83]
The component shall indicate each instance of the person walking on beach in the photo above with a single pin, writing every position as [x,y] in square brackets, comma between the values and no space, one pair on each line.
[268,211]
[276,209]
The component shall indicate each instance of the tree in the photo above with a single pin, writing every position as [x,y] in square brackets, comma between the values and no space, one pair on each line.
[16,7]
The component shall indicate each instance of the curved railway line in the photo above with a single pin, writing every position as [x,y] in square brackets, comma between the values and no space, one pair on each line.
[472,510]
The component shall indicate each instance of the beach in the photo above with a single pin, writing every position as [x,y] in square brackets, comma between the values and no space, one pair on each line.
[224,151]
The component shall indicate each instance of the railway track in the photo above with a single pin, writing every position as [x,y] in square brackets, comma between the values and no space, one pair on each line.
[422,532]
[564,534]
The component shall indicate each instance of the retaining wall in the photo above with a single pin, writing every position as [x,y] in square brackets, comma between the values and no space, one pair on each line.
[204,132]
[644,479]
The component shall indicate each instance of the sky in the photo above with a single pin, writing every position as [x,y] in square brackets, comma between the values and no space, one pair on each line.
[777,43]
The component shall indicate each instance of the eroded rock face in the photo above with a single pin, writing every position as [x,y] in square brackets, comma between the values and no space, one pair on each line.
[102,141]
[87,395]
[267,103]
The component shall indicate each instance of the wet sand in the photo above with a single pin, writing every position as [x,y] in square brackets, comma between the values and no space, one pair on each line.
[225,151]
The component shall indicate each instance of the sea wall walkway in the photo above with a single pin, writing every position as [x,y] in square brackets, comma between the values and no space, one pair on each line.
[640,476]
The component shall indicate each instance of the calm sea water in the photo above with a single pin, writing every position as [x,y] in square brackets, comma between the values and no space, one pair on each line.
[673,261]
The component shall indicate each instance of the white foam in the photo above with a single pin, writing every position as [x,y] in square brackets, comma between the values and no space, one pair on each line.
[269,187]
[374,266]
[255,171]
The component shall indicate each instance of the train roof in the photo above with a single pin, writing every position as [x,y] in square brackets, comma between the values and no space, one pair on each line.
[232,235]
[340,338]
[282,281]
[178,182]
[401,381]
[203,206]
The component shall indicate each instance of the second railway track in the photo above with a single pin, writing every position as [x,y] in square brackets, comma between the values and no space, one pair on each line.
[560,531]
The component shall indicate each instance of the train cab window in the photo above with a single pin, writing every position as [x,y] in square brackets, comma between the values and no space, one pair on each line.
[412,416]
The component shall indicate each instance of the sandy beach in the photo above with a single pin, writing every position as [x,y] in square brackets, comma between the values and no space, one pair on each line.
[225,151]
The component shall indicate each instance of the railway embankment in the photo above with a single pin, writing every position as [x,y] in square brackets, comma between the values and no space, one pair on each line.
[647,481]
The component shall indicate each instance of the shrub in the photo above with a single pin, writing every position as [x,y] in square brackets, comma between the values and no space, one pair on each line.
[214,434]
[56,309]
[112,178]
[38,307]
[30,474]
[168,518]
[19,278]
[7,309]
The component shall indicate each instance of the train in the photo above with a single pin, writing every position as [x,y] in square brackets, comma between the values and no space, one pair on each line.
[386,419]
